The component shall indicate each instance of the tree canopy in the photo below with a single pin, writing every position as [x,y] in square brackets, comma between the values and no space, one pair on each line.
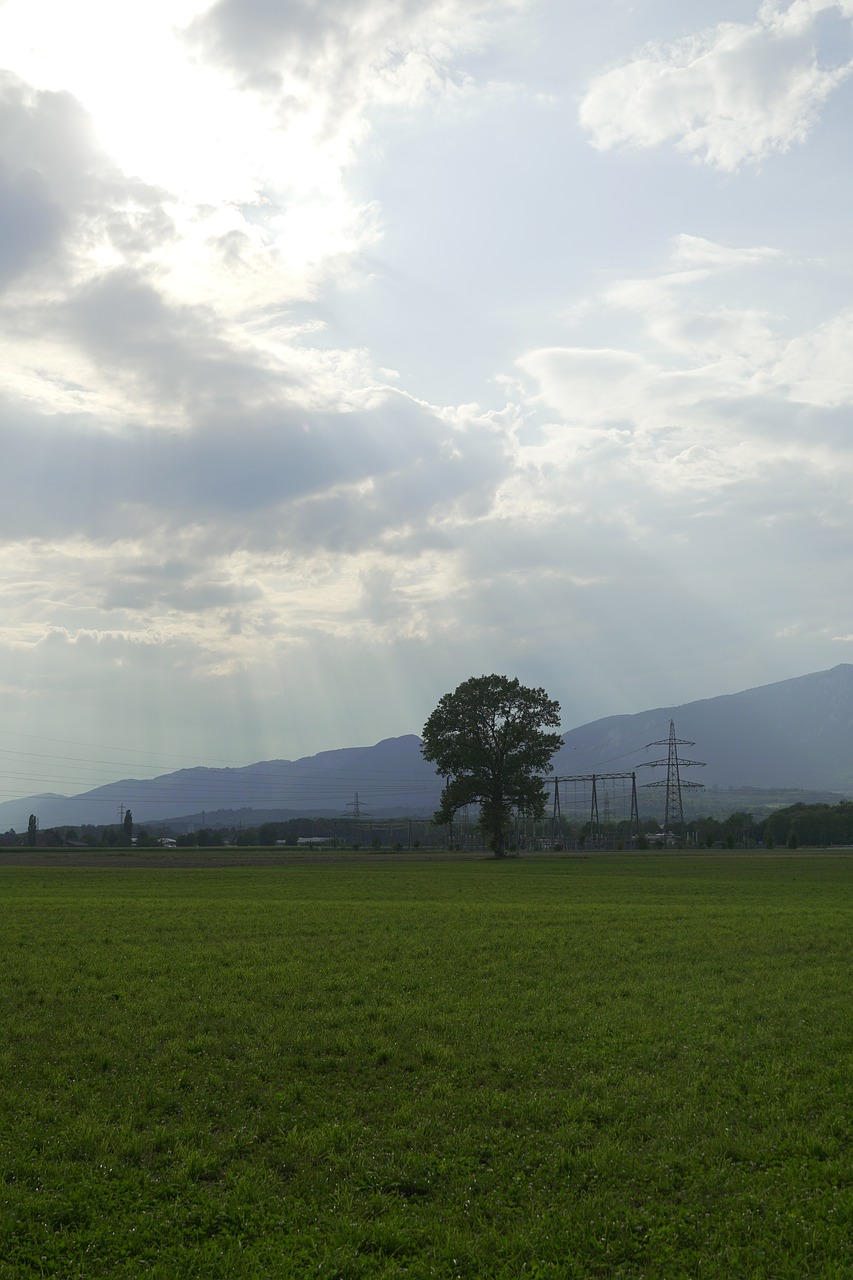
[489,739]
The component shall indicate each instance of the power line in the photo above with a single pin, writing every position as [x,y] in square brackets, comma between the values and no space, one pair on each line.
[100,746]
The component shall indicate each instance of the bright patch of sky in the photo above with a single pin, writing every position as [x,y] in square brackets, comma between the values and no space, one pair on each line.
[355,348]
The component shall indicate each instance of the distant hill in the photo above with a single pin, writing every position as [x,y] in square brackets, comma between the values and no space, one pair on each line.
[390,778]
[792,734]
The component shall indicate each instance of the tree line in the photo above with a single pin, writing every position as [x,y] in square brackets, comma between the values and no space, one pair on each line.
[801,824]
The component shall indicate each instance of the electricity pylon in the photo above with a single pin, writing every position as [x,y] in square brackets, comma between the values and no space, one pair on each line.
[673,817]
[357,811]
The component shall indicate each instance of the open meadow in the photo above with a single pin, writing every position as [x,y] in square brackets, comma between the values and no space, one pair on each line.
[605,1066]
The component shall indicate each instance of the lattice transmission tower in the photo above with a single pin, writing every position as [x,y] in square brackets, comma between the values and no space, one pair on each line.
[673,817]
[356,812]
[355,807]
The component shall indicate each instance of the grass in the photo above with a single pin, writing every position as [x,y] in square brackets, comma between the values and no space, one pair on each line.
[606,1067]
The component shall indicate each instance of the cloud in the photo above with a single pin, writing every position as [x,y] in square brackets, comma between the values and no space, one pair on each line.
[66,212]
[704,396]
[118,302]
[32,223]
[388,521]
[698,252]
[817,368]
[60,194]
[727,95]
[269,477]
[694,343]
[346,53]
[588,386]
[170,357]
[188,470]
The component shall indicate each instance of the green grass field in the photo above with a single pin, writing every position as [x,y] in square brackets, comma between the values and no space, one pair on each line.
[618,1066]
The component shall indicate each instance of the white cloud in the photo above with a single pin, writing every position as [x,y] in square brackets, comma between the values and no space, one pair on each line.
[116,306]
[258,204]
[699,391]
[588,386]
[696,252]
[727,95]
[817,368]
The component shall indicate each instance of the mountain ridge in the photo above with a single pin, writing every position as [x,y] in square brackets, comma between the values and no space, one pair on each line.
[795,733]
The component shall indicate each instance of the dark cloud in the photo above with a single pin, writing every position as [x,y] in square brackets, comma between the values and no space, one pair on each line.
[338,48]
[31,223]
[259,37]
[164,352]
[58,192]
[157,588]
[276,477]
[46,132]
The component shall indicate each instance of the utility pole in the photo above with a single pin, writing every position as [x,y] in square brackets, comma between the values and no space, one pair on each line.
[556,815]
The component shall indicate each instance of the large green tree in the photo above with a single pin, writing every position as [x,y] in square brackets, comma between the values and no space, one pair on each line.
[490,740]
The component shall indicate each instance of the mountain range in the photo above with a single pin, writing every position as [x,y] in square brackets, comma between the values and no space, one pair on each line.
[790,734]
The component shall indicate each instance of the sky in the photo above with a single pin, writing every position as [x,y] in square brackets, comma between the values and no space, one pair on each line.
[352,348]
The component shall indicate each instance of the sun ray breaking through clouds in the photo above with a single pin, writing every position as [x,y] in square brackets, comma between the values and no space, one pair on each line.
[353,349]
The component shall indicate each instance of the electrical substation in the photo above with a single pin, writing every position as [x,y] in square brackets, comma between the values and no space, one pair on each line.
[588,811]
[601,810]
